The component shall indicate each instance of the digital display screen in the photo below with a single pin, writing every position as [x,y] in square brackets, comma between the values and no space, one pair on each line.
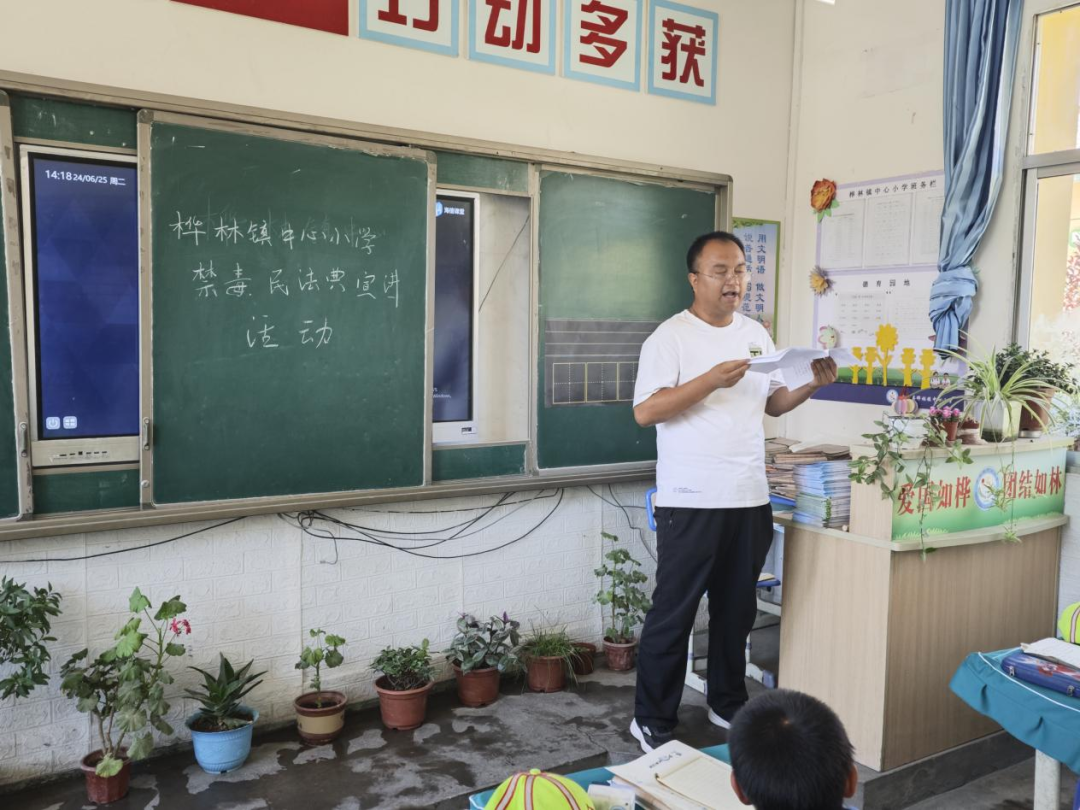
[85,246]
[454,220]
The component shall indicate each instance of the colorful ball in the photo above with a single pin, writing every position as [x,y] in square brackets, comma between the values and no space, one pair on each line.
[1069,623]
[541,791]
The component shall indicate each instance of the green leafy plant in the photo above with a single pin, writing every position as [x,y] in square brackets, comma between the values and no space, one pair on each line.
[405,668]
[480,646]
[1036,366]
[996,381]
[24,631]
[622,592]
[322,651]
[1008,380]
[123,690]
[1065,416]
[220,696]
[548,644]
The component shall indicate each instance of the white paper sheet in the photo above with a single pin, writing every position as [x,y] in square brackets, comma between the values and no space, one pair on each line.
[1055,650]
[842,236]
[888,231]
[798,359]
[703,780]
[926,226]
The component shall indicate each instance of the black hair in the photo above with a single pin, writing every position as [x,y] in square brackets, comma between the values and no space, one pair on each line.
[789,751]
[699,244]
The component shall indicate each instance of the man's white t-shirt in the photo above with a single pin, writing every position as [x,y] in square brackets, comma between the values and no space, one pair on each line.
[711,456]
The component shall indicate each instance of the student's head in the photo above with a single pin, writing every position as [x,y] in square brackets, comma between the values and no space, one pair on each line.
[789,751]
[716,263]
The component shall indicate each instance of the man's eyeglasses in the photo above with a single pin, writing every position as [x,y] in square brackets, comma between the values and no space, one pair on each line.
[739,274]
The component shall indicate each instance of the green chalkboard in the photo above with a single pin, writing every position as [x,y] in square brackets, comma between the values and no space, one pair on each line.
[9,471]
[71,122]
[612,257]
[296,363]
[83,491]
[458,463]
[479,171]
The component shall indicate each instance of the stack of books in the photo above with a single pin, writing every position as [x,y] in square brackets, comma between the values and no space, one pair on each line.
[824,494]
[784,456]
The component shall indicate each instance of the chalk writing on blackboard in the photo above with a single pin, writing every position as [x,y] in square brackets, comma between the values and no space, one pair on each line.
[204,281]
[262,336]
[238,285]
[277,285]
[260,333]
[260,231]
[323,333]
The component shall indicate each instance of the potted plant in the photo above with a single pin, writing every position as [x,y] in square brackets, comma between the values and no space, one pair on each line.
[24,630]
[406,680]
[320,715]
[584,657]
[1046,377]
[627,602]
[124,692]
[946,420]
[221,729]
[998,390]
[480,653]
[548,656]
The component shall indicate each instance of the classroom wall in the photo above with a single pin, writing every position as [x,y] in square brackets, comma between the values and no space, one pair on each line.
[167,47]
[870,106]
[254,588]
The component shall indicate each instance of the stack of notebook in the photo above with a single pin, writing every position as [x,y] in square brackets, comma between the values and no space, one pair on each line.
[784,456]
[823,494]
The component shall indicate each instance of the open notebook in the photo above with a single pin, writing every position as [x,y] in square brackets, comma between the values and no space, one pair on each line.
[678,777]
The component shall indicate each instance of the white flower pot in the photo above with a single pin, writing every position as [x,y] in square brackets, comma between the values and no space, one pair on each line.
[999,421]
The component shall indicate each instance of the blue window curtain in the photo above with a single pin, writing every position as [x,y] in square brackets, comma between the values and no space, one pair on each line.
[981,43]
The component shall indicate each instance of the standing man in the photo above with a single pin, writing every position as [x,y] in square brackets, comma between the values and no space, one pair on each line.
[713,518]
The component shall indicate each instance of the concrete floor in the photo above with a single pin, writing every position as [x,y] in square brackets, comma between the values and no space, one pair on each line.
[456,753]
[1009,789]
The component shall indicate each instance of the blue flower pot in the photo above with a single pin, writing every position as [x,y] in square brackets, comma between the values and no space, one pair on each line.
[222,751]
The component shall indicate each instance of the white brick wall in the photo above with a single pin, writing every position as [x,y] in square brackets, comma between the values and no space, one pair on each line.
[254,588]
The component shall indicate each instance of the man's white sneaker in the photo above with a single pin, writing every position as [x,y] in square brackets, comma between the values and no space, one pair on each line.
[717,720]
[649,738]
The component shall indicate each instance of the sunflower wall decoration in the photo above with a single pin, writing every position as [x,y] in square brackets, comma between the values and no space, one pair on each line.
[819,281]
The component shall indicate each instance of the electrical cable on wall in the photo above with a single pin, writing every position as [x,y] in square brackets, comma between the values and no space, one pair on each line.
[306,523]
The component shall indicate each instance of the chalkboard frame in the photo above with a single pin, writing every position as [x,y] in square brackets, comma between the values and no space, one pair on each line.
[146,120]
[722,219]
[278,120]
[11,255]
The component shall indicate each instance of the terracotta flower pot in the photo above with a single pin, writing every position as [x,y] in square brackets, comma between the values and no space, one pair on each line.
[1035,417]
[105,789]
[620,657]
[402,710]
[547,674]
[950,430]
[320,725]
[478,687]
[583,661]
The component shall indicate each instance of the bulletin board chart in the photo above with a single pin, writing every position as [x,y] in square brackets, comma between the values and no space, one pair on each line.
[879,250]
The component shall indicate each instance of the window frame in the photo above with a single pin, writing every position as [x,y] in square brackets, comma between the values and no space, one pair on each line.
[1033,168]
[46,453]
